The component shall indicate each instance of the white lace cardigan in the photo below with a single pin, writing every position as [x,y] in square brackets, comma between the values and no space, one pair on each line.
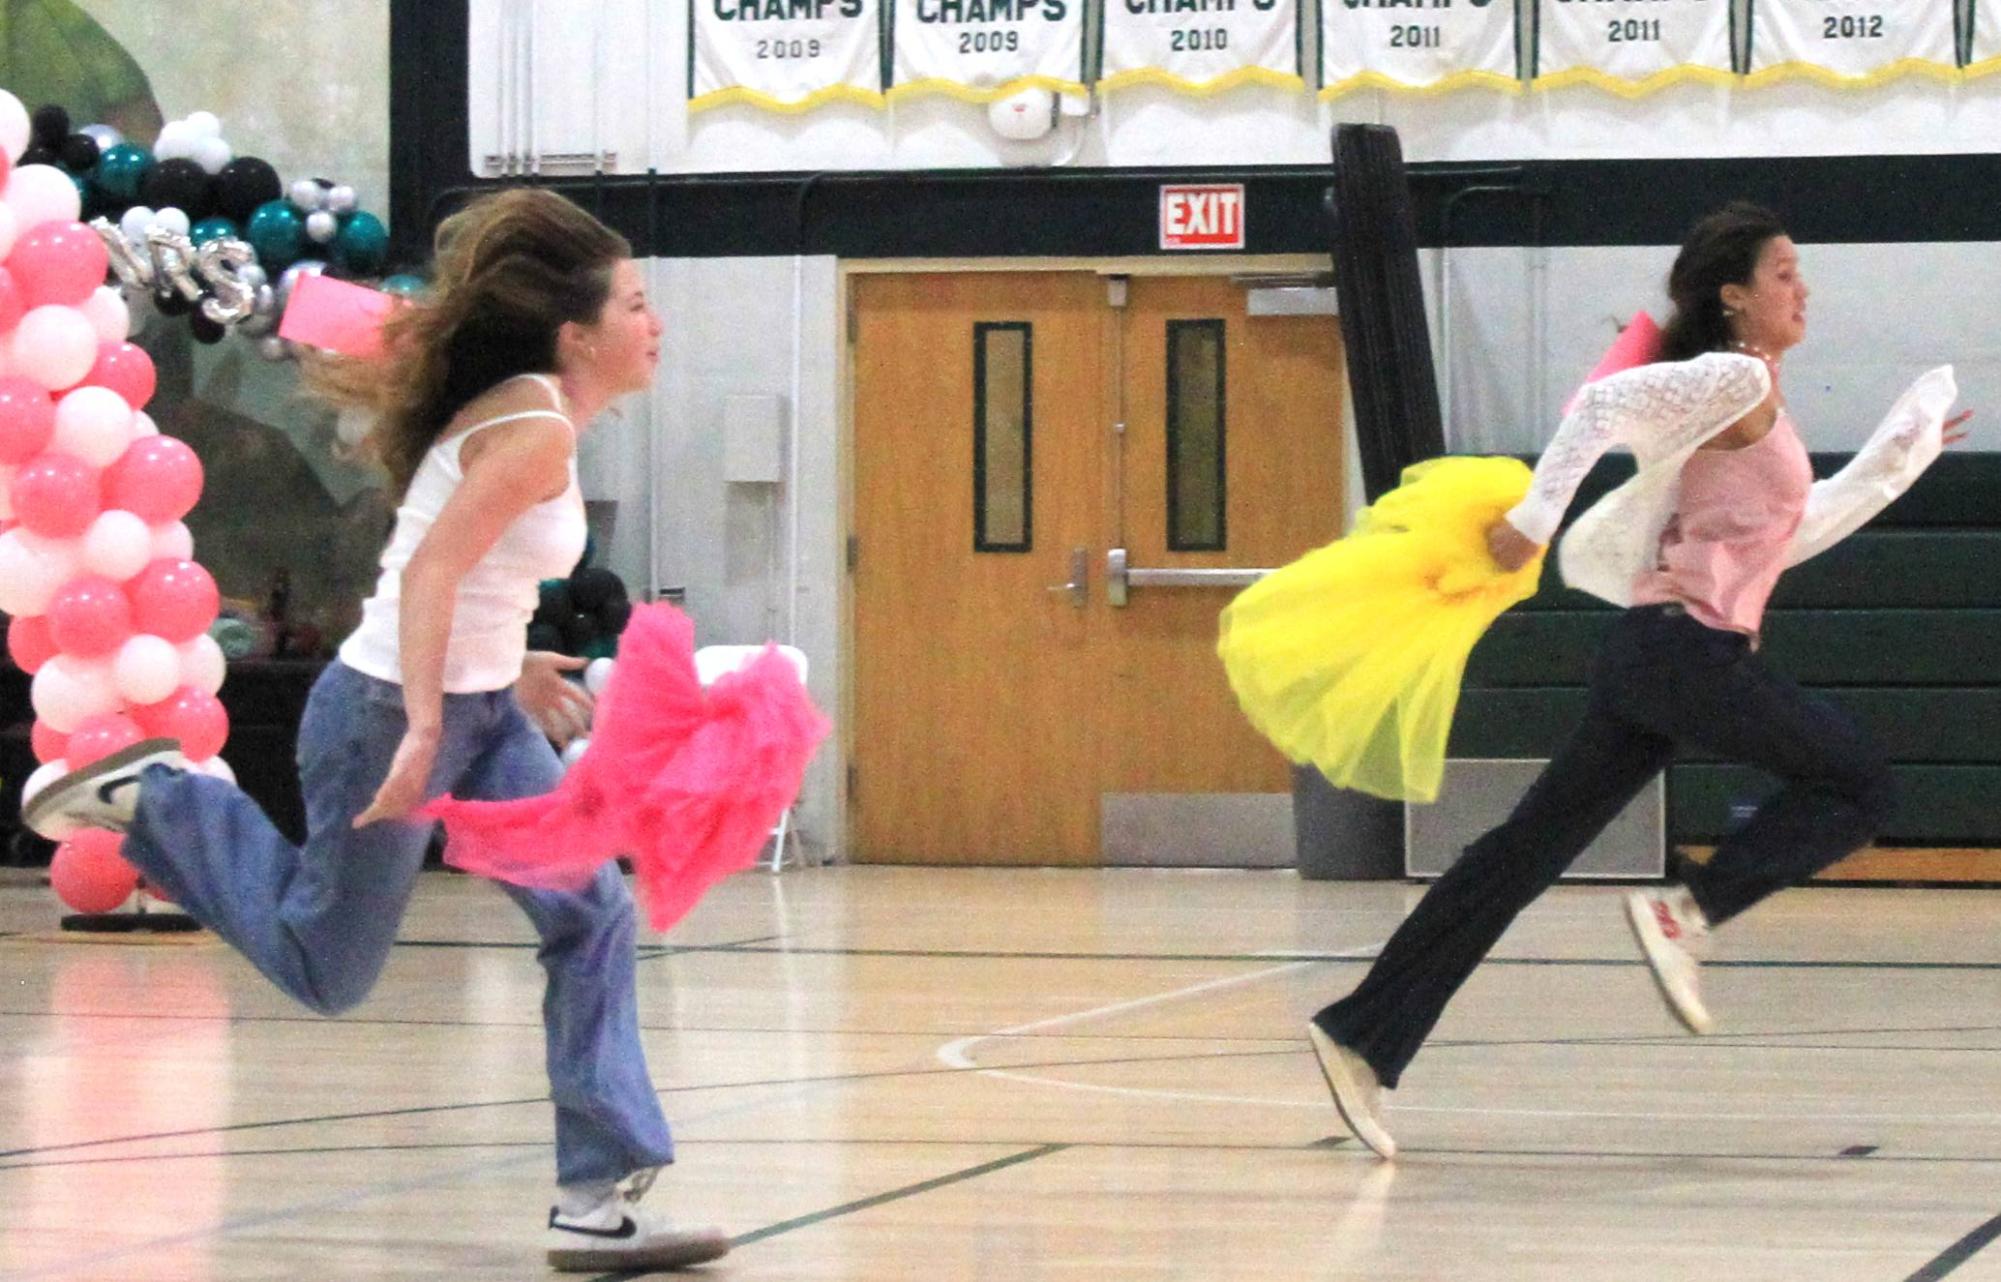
[1662,413]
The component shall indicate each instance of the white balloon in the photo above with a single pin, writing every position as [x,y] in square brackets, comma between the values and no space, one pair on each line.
[15,127]
[307,195]
[54,345]
[574,751]
[41,194]
[217,768]
[172,541]
[117,545]
[108,314]
[105,136]
[176,142]
[9,226]
[212,154]
[202,663]
[134,222]
[143,425]
[93,423]
[68,691]
[321,227]
[597,674]
[32,569]
[173,220]
[342,199]
[203,124]
[147,669]
[48,772]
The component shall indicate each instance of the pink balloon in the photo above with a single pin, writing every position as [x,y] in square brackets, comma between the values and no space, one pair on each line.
[127,370]
[56,496]
[48,742]
[90,616]
[29,643]
[195,717]
[58,263]
[174,599]
[159,478]
[12,308]
[27,418]
[89,874]
[100,736]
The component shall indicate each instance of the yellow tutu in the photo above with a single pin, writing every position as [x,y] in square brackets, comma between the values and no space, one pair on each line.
[1350,658]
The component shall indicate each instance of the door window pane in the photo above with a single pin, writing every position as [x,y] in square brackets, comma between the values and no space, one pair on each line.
[1003,437]
[1195,418]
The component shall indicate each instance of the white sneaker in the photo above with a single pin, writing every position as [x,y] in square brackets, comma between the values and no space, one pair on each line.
[616,1235]
[1358,1096]
[1674,936]
[104,794]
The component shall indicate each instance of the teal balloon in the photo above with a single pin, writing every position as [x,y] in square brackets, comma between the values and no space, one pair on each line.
[403,285]
[278,235]
[362,246]
[120,170]
[209,229]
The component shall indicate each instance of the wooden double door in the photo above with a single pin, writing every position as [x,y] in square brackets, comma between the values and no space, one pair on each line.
[1032,450]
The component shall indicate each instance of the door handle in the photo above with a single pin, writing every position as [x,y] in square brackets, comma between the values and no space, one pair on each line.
[1079,586]
[1121,577]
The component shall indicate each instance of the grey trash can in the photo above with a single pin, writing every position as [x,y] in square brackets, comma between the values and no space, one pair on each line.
[1342,835]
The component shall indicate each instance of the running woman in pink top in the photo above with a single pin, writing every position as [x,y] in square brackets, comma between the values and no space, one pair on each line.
[1723,502]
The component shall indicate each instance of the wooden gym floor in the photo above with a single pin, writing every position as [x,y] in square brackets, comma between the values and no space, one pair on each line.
[923,1074]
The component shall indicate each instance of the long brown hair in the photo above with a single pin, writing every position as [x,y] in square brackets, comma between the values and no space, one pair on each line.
[1721,250]
[509,270]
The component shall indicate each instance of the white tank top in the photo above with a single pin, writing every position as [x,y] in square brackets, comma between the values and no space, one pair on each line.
[497,596]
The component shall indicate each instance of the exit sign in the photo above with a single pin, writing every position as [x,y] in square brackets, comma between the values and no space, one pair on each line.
[1202,216]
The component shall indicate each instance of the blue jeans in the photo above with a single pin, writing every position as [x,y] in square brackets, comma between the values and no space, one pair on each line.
[319,921]
[1662,679]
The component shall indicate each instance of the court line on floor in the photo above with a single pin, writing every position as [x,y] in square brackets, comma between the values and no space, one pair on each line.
[1949,1260]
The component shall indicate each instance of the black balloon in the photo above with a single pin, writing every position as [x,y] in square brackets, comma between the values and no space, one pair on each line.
[554,605]
[544,636]
[593,589]
[80,153]
[51,126]
[578,632]
[243,185]
[178,184]
[38,155]
[172,303]
[616,614]
[204,329]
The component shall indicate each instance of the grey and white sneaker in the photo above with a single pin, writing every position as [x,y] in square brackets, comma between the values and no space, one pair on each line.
[1674,937]
[615,1235]
[1358,1096]
[103,794]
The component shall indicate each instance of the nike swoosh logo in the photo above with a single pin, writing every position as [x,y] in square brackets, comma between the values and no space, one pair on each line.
[624,1230]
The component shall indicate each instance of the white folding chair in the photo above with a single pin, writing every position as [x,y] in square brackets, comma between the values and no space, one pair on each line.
[712,661]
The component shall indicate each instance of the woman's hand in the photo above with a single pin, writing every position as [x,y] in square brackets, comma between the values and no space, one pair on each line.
[560,709]
[1510,548]
[409,776]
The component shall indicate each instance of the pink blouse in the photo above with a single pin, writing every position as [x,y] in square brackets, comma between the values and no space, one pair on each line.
[1733,524]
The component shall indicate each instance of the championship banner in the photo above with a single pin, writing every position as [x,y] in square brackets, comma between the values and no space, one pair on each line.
[1631,47]
[1423,46]
[784,55]
[1199,46]
[1852,43]
[982,50]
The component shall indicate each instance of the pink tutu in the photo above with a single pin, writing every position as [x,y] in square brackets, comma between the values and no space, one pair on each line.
[687,782]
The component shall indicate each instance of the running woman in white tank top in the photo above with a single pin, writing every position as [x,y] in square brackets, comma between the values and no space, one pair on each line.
[538,319]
